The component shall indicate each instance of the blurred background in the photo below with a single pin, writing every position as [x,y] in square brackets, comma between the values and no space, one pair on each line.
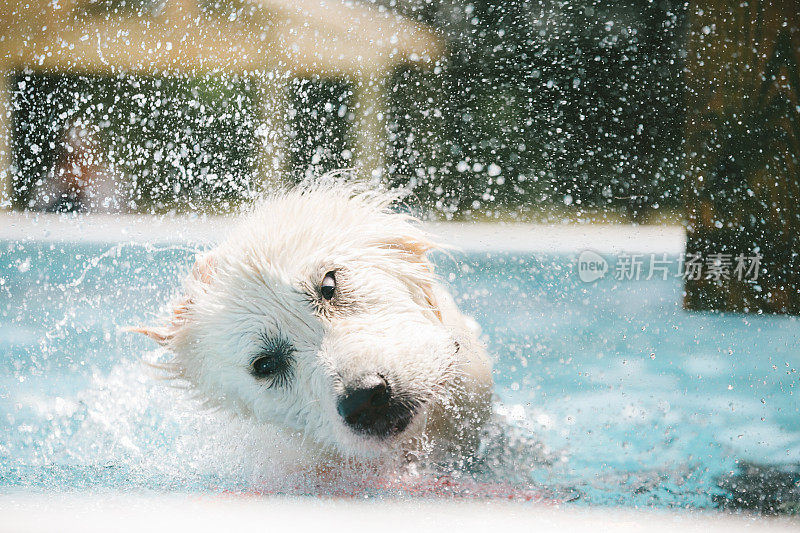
[532,110]
[495,109]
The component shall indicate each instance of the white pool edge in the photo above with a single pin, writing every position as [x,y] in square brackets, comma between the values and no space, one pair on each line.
[196,513]
[205,231]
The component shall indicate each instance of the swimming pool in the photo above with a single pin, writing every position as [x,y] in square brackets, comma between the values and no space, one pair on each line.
[610,393]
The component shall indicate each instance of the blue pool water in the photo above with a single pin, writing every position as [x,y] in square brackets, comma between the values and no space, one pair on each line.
[609,392]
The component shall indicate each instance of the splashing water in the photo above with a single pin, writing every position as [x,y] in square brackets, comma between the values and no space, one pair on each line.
[606,393]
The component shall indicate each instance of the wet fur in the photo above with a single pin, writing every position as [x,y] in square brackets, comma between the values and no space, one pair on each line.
[390,315]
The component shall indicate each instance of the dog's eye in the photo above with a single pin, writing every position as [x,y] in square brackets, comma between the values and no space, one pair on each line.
[328,286]
[265,366]
[274,363]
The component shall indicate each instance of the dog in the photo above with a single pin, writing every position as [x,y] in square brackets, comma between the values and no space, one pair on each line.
[321,314]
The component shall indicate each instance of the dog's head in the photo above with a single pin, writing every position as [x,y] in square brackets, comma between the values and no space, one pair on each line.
[321,314]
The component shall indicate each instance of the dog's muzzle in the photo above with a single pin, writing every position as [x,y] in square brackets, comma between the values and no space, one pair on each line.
[369,406]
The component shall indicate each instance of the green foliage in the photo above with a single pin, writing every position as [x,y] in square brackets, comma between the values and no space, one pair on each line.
[575,102]
[181,142]
[320,122]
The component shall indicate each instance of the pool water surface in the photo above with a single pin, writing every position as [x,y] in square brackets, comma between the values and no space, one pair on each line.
[608,393]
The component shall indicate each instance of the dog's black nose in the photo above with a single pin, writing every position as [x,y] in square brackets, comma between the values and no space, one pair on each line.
[368,406]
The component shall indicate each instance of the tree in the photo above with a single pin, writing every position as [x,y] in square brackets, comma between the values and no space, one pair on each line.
[742,149]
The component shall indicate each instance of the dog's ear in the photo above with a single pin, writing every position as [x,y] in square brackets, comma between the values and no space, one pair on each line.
[415,248]
[200,277]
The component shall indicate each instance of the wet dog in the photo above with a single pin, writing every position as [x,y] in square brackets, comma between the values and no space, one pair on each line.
[321,314]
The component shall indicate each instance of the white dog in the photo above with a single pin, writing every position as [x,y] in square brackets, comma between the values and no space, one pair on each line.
[321,314]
